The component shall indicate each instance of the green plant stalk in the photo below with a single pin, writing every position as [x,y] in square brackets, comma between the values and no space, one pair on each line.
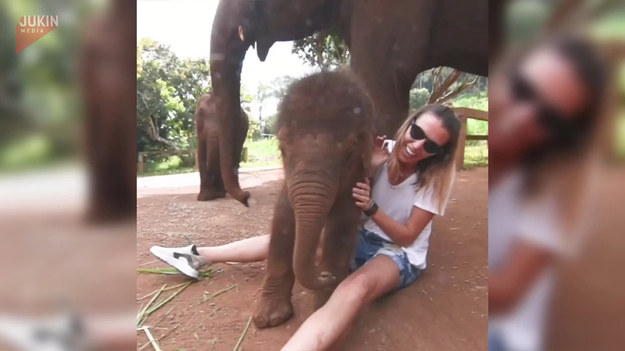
[163,317]
[172,271]
[158,270]
[237,347]
[142,315]
[162,303]
[220,292]
[155,291]
[161,338]
[151,338]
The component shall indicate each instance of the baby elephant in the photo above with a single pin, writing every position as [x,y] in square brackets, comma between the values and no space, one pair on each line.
[325,132]
[207,128]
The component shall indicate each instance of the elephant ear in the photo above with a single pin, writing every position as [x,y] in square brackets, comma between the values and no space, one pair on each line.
[366,143]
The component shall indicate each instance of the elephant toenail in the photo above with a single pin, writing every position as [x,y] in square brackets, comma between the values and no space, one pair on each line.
[326,275]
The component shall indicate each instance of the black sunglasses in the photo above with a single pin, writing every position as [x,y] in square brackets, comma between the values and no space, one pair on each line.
[548,116]
[417,133]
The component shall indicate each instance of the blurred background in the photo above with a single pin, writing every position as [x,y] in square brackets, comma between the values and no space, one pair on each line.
[65,260]
[66,188]
[586,307]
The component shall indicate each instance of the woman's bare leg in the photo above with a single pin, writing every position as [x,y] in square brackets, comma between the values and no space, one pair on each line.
[246,250]
[329,324]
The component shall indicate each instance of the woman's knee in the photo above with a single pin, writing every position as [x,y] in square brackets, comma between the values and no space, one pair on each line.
[355,288]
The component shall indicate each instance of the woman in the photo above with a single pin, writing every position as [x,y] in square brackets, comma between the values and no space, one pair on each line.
[411,185]
[545,105]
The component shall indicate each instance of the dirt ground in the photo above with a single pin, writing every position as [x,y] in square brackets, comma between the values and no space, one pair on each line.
[445,309]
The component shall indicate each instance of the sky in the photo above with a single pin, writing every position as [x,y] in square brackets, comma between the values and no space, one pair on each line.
[185,25]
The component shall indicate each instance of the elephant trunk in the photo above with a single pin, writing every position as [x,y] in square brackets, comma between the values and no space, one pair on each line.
[311,203]
[227,54]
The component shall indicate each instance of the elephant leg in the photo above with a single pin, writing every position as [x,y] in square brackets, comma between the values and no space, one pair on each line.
[390,93]
[340,243]
[214,170]
[214,186]
[218,182]
[242,127]
[202,163]
[388,54]
[274,306]
[217,185]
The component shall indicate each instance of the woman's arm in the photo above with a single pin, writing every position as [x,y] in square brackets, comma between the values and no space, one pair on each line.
[402,235]
[510,283]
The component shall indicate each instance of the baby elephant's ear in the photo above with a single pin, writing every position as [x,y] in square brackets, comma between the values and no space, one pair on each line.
[282,134]
[366,144]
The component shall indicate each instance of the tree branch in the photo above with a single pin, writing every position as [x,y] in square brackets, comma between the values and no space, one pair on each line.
[457,91]
[152,133]
[438,91]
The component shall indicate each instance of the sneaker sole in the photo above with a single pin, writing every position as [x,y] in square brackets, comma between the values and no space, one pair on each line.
[174,262]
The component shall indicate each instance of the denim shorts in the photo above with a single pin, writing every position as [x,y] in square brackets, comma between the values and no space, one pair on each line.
[370,245]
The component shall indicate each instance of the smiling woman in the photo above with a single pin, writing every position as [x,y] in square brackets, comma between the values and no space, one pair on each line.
[426,144]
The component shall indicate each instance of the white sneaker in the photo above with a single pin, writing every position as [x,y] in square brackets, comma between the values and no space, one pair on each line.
[58,333]
[185,259]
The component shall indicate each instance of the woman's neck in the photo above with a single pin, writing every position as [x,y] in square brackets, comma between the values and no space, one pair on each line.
[405,171]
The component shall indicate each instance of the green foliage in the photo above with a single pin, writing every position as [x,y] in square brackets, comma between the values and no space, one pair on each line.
[525,19]
[253,131]
[168,89]
[428,79]
[167,165]
[25,152]
[246,98]
[620,136]
[262,152]
[476,154]
[476,100]
[39,87]
[270,124]
[610,26]
[279,86]
[418,97]
[170,162]
[324,50]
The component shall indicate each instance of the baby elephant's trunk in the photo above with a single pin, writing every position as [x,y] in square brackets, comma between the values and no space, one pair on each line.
[311,201]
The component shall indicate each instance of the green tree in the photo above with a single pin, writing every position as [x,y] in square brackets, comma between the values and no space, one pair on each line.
[279,86]
[168,89]
[270,124]
[418,97]
[325,50]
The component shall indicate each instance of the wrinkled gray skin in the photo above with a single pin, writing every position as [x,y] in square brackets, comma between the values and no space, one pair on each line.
[325,130]
[390,43]
[207,130]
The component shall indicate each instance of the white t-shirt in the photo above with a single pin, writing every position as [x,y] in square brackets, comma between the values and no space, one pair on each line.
[397,202]
[511,219]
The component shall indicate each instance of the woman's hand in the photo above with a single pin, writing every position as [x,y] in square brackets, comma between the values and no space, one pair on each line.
[362,194]
[380,154]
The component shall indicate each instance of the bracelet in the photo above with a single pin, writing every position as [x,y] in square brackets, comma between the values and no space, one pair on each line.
[371,210]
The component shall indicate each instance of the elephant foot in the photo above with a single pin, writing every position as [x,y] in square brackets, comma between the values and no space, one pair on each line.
[271,312]
[207,194]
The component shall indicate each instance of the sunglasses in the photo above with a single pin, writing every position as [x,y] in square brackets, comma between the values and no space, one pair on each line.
[548,116]
[417,133]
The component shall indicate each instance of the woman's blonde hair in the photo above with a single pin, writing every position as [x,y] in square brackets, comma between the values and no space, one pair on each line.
[436,171]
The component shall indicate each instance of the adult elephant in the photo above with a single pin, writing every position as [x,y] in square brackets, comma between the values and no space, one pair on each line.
[207,130]
[390,43]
